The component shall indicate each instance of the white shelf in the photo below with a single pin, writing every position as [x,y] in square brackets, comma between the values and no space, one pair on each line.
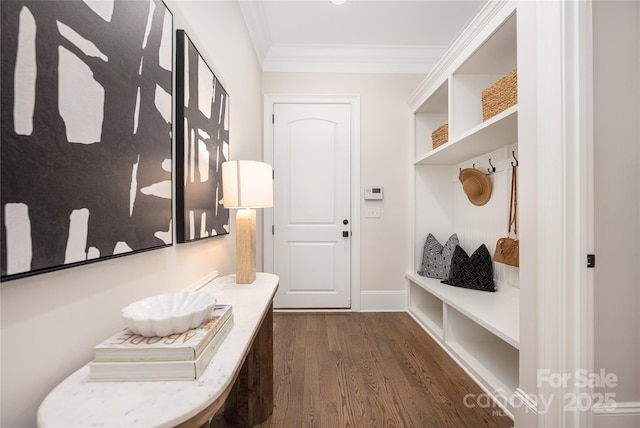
[497,55]
[496,365]
[498,312]
[480,330]
[490,358]
[425,124]
[427,309]
[497,132]
[438,102]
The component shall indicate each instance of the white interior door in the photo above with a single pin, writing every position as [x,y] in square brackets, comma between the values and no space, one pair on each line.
[312,193]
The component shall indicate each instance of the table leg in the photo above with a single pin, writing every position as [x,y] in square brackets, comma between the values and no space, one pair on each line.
[250,401]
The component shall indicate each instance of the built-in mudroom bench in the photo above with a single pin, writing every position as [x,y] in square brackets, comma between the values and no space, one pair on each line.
[479,329]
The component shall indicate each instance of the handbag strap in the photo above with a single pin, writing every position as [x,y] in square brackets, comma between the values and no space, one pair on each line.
[513,204]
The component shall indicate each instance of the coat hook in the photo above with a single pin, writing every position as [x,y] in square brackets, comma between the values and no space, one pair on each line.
[513,153]
[492,169]
[474,166]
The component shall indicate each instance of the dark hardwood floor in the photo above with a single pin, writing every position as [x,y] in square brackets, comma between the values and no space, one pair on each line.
[367,370]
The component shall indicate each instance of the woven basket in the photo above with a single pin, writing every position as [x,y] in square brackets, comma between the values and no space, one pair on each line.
[440,136]
[500,96]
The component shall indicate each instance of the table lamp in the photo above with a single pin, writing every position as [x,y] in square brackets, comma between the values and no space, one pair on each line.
[246,185]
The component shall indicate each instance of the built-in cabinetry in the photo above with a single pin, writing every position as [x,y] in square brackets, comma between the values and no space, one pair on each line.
[481,330]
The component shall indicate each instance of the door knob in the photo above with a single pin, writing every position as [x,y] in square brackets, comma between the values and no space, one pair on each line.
[345,234]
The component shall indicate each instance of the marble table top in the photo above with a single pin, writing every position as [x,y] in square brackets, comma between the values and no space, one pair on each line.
[76,402]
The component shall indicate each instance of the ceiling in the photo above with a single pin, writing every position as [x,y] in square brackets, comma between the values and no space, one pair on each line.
[364,36]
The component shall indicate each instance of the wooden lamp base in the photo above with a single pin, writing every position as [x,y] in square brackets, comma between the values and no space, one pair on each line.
[245,246]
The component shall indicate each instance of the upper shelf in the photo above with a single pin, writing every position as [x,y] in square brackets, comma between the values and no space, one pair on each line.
[438,102]
[490,135]
[497,55]
[480,50]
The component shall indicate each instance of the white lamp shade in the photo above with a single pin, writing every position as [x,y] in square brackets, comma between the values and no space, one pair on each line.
[247,184]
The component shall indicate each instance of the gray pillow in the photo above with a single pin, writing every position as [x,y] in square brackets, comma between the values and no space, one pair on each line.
[436,259]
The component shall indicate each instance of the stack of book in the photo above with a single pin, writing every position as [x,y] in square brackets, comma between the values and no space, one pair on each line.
[131,357]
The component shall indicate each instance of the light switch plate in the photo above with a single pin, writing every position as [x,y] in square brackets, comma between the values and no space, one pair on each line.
[372,212]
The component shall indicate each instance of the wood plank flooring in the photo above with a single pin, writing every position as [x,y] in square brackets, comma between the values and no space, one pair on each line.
[367,370]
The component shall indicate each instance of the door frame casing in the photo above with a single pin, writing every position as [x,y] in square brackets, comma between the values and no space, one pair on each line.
[268,241]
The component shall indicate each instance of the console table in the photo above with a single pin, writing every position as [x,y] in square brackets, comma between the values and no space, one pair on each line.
[240,376]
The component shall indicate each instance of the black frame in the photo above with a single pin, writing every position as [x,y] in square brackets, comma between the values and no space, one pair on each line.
[197,196]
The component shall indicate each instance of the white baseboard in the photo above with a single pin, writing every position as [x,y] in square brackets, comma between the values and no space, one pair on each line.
[624,415]
[525,401]
[202,281]
[383,301]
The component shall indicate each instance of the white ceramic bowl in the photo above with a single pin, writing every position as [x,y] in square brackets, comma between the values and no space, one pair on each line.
[168,314]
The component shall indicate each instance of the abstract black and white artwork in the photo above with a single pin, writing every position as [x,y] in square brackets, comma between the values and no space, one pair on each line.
[86,108]
[202,145]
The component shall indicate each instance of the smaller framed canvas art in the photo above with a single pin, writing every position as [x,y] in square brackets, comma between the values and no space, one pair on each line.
[202,145]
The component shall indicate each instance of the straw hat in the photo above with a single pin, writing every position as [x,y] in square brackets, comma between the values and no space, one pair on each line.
[476,185]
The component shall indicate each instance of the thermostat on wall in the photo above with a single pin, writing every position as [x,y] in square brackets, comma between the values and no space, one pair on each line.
[373,192]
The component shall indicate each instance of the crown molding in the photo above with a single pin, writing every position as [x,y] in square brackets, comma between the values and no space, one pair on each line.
[333,58]
[255,19]
[352,58]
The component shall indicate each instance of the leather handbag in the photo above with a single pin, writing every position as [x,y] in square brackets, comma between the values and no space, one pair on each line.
[508,249]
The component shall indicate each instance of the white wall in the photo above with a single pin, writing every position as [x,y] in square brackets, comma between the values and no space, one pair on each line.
[385,160]
[617,201]
[50,322]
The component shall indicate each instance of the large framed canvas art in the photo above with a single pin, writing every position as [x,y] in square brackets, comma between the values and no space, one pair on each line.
[86,107]
[202,145]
